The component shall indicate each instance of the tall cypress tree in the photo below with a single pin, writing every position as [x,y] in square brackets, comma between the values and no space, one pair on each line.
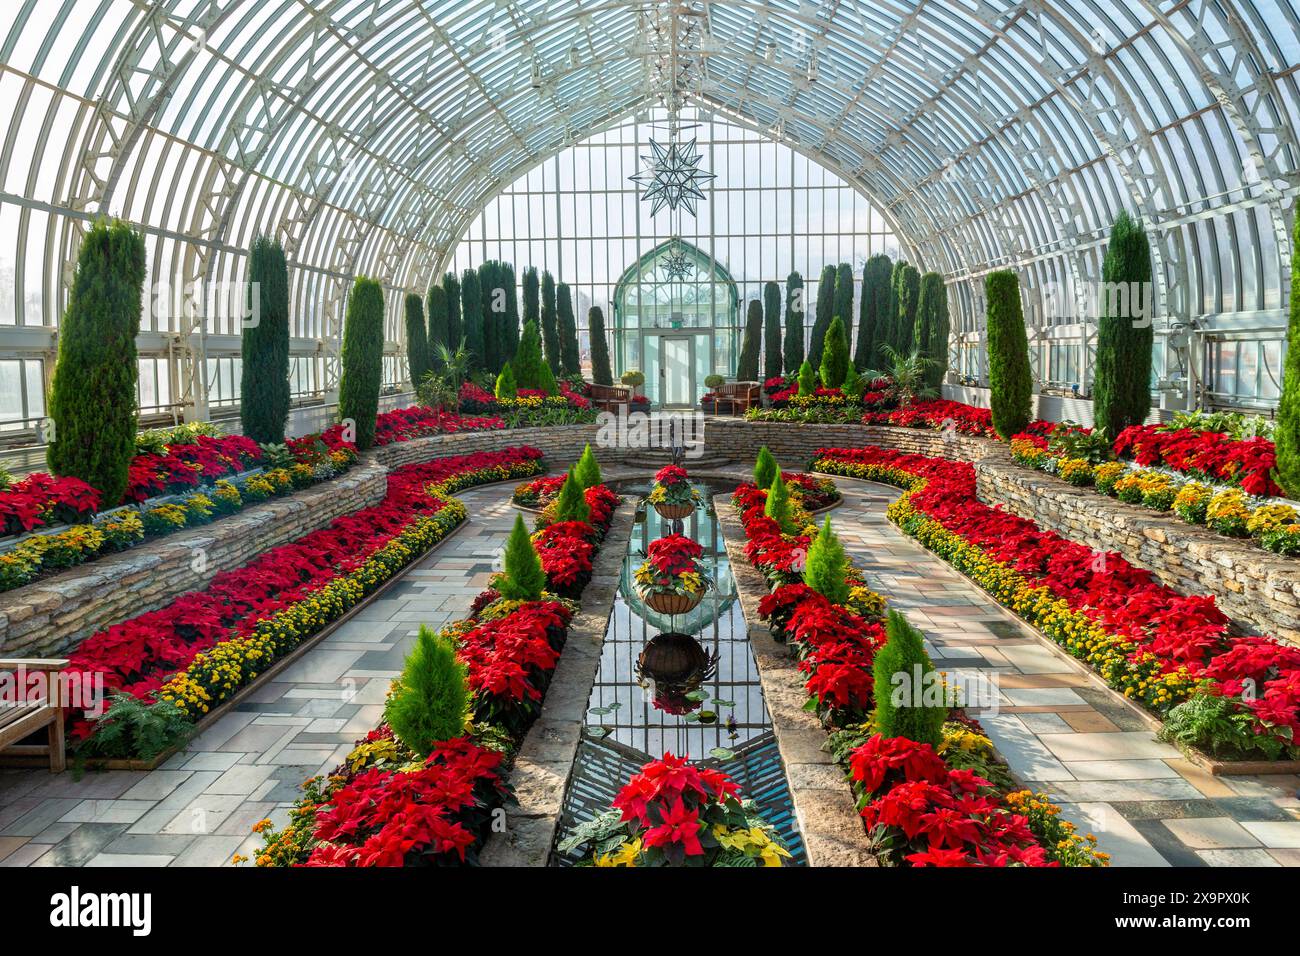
[1010,377]
[892,337]
[437,302]
[532,302]
[363,359]
[844,296]
[510,340]
[1121,386]
[471,311]
[909,296]
[600,370]
[873,312]
[771,330]
[747,367]
[264,379]
[932,327]
[792,352]
[570,360]
[490,299]
[825,312]
[1287,433]
[550,324]
[455,328]
[93,398]
[417,339]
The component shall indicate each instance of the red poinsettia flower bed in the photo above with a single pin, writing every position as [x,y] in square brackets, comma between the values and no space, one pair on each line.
[186,467]
[1210,456]
[945,817]
[138,656]
[406,424]
[937,413]
[1178,632]
[428,817]
[40,500]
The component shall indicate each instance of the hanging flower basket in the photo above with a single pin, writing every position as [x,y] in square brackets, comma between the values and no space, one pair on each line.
[674,512]
[672,602]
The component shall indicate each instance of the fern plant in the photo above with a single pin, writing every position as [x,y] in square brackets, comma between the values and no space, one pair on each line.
[132,728]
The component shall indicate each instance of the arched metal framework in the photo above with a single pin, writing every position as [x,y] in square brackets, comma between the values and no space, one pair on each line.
[368,133]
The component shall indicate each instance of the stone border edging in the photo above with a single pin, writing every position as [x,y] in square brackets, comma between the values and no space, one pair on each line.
[542,767]
[829,823]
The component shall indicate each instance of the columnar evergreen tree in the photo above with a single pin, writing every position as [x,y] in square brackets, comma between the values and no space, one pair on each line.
[1010,378]
[844,298]
[765,468]
[532,302]
[835,355]
[901,659]
[1121,386]
[417,339]
[827,566]
[490,300]
[892,336]
[873,312]
[747,366]
[571,502]
[510,341]
[471,312]
[792,351]
[909,296]
[430,702]
[522,577]
[570,362]
[529,365]
[264,380]
[1287,433]
[455,328]
[93,399]
[550,324]
[932,327]
[777,506]
[771,330]
[363,359]
[825,312]
[437,303]
[600,370]
[587,470]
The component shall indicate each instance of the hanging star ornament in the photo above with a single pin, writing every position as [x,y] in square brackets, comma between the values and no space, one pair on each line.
[677,264]
[672,177]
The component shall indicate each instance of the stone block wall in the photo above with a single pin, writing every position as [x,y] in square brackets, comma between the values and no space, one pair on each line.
[561,444]
[53,615]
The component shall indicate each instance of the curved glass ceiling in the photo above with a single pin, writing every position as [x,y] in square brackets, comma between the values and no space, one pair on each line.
[368,133]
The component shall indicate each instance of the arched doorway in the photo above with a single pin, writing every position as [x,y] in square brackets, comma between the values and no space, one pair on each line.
[677,319]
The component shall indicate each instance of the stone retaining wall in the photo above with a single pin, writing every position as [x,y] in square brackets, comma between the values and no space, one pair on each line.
[53,615]
[1258,590]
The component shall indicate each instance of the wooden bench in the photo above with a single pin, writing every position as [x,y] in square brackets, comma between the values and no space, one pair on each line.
[610,398]
[740,397]
[19,720]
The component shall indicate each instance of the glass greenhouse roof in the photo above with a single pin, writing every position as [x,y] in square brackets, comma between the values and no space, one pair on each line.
[369,133]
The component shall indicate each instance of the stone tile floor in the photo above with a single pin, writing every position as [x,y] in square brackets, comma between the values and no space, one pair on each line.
[199,807]
[1062,731]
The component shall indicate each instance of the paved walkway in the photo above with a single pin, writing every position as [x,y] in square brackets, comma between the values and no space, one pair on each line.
[1062,731]
[199,807]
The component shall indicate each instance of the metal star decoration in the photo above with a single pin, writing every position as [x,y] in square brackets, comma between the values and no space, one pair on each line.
[677,264]
[672,177]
